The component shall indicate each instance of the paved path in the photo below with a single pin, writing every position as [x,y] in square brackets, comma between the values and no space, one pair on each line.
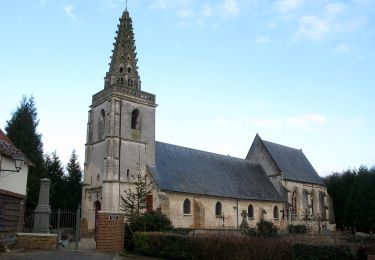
[67,254]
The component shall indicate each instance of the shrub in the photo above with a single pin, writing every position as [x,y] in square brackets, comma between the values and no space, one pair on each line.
[166,245]
[173,246]
[147,243]
[297,229]
[182,231]
[151,221]
[364,251]
[252,232]
[306,252]
[266,229]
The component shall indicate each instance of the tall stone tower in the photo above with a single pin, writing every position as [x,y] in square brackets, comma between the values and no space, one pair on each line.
[121,127]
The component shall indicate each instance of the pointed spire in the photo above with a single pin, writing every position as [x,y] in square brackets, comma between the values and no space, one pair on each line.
[123,70]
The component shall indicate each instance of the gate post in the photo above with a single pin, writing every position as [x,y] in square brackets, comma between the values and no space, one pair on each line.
[58,220]
[78,218]
[110,231]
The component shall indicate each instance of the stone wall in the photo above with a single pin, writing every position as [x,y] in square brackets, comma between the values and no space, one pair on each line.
[36,241]
[203,211]
[322,205]
[110,233]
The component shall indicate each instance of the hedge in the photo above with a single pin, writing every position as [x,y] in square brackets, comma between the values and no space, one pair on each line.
[297,229]
[310,252]
[173,246]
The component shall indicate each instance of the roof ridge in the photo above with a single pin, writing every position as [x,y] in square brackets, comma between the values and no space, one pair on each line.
[207,152]
[285,146]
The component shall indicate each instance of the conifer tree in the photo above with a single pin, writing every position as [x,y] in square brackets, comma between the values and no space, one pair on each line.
[74,181]
[134,202]
[22,131]
[58,188]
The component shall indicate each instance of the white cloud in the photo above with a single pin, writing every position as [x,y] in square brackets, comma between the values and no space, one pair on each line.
[335,8]
[69,11]
[313,27]
[185,13]
[207,10]
[342,48]
[230,8]
[261,39]
[288,5]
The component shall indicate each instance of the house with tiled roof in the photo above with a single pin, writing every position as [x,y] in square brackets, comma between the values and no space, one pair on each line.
[194,188]
[13,181]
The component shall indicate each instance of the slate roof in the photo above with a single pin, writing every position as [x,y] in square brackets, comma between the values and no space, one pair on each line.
[8,149]
[293,163]
[186,170]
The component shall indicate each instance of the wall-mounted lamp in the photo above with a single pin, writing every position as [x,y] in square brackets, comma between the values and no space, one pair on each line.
[18,163]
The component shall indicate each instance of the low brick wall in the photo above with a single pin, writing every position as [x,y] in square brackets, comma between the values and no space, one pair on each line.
[110,232]
[36,241]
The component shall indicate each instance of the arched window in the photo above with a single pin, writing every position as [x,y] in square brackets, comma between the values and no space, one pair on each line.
[187,206]
[322,205]
[101,125]
[250,211]
[218,209]
[276,212]
[135,119]
[294,203]
[305,202]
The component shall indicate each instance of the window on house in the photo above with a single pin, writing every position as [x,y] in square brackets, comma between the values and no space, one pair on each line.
[294,203]
[101,125]
[276,212]
[135,124]
[218,211]
[187,206]
[250,211]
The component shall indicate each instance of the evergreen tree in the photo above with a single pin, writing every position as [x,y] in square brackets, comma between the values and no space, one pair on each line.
[22,131]
[58,187]
[135,201]
[353,197]
[74,181]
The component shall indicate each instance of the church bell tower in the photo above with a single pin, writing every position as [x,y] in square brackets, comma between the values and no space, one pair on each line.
[121,127]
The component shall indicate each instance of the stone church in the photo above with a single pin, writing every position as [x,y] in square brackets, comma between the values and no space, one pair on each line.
[193,188]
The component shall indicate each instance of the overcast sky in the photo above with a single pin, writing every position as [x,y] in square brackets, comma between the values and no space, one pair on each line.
[298,72]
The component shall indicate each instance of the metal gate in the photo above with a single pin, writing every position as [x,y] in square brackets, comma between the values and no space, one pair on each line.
[66,223]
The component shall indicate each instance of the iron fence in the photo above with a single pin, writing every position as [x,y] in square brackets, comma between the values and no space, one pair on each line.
[60,219]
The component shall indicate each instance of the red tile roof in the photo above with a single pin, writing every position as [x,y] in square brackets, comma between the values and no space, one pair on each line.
[3,137]
[8,149]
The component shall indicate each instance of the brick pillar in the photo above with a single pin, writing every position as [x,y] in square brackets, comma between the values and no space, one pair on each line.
[110,232]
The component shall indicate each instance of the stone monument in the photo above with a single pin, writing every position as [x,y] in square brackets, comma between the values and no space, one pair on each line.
[43,210]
